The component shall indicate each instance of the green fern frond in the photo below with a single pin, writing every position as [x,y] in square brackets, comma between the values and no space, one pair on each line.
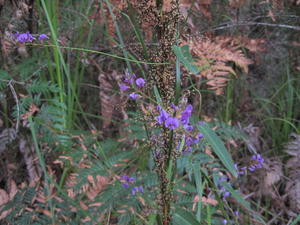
[41,87]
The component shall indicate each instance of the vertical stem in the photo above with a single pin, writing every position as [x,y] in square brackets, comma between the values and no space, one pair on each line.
[165,79]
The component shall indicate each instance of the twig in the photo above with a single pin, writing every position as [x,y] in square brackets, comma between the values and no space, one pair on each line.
[227,26]
[17,102]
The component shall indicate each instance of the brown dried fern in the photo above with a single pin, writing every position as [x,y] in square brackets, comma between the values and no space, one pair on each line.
[111,102]
[102,16]
[213,58]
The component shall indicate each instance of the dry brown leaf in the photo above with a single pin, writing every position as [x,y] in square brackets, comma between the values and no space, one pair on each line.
[32,110]
[293,147]
[293,192]
[96,204]
[13,189]
[102,14]
[97,186]
[292,188]
[33,167]
[5,214]
[206,201]
[86,219]
[7,45]
[271,176]
[4,197]
[204,6]
[108,98]
[83,205]
[45,212]
[236,4]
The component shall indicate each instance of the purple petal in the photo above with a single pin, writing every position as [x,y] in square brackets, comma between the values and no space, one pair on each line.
[163,116]
[140,82]
[123,87]
[42,37]
[188,127]
[134,96]
[172,123]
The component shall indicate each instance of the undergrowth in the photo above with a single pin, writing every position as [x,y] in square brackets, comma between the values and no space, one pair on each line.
[120,117]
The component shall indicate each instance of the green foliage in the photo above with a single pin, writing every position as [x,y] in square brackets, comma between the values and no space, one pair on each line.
[218,148]
[184,56]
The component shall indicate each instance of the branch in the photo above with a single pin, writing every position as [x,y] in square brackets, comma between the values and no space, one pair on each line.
[227,26]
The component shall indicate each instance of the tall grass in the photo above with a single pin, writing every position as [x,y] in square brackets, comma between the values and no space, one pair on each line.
[281,110]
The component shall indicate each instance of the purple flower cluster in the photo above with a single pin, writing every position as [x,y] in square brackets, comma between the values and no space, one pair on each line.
[173,122]
[128,181]
[181,121]
[129,81]
[240,170]
[222,189]
[186,114]
[192,140]
[256,162]
[135,190]
[27,37]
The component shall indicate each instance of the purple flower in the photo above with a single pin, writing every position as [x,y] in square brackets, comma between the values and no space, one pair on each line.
[163,115]
[189,141]
[128,179]
[186,114]
[42,37]
[188,149]
[188,127]
[257,162]
[140,82]
[134,96]
[135,190]
[173,106]
[129,78]
[258,158]
[24,37]
[224,221]
[241,171]
[236,213]
[141,189]
[198,137]
[123,87]
[226,194]
[172,123]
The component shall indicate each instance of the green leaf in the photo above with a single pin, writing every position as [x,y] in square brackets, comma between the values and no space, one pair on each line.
[296,220]
[218,146]
[152,219]
[184,56]
[183,217]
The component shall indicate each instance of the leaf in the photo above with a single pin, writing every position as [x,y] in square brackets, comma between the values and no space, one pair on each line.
[152,219]
[296,220]
[218,146]
[184,56]
[183,217]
